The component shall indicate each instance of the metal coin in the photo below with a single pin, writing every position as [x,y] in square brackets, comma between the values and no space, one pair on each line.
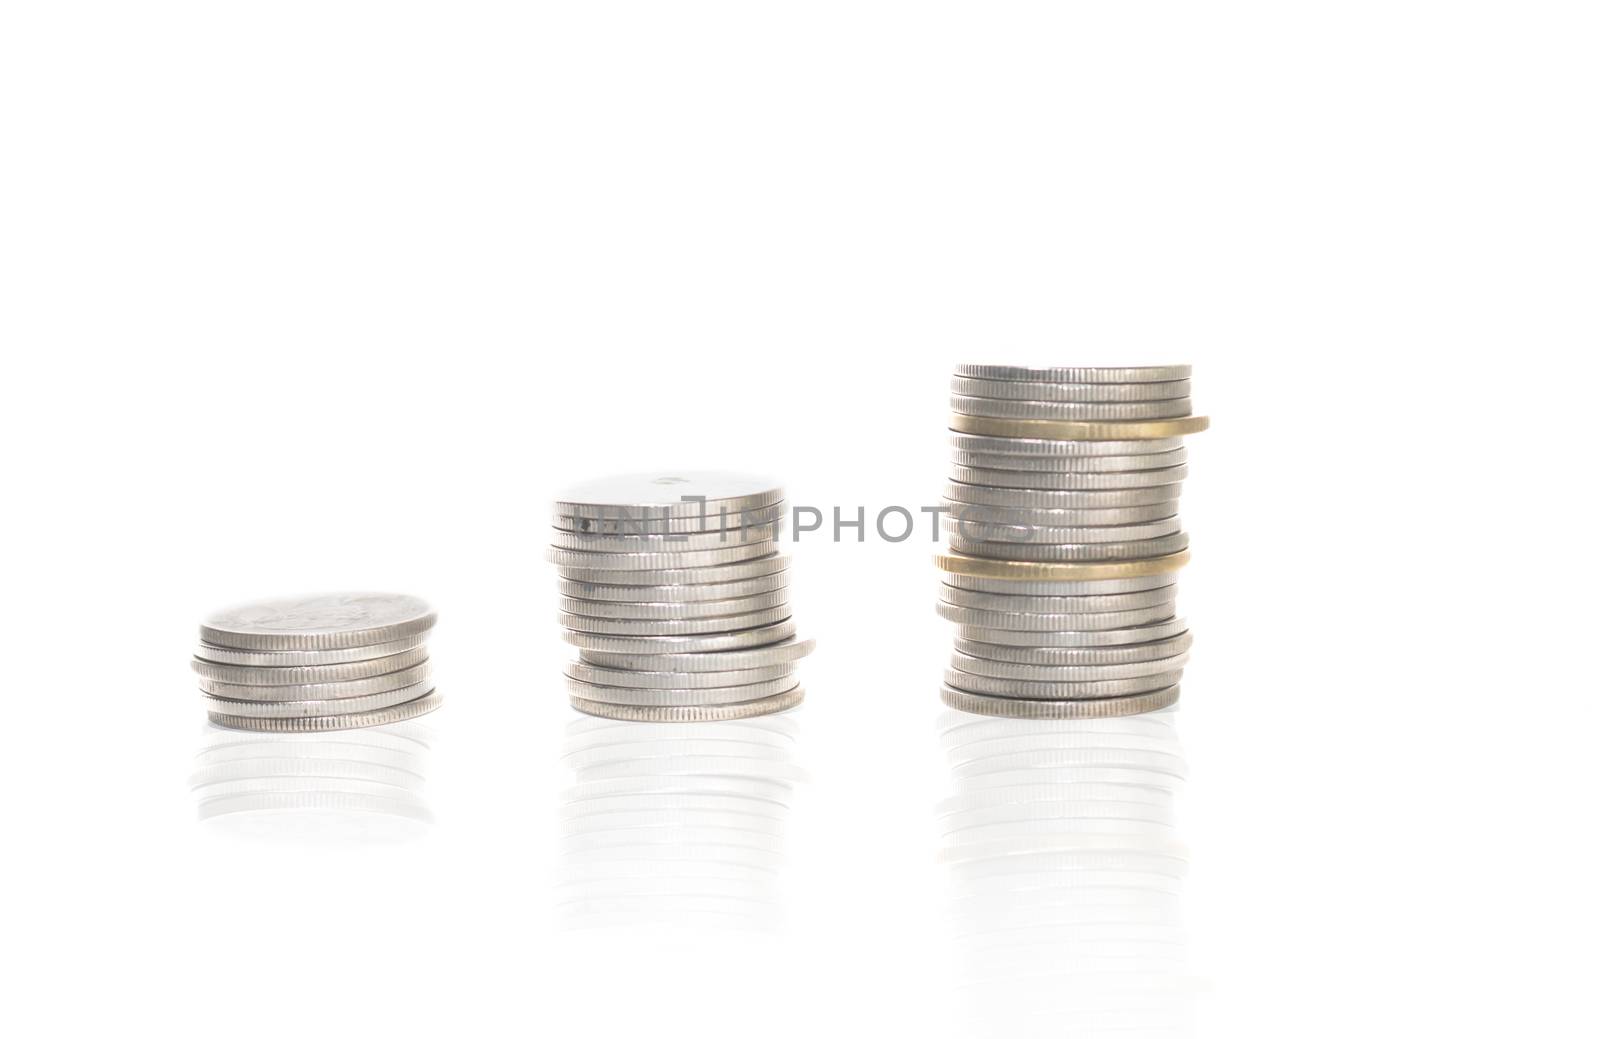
[315,708]
[1013,497]
[694,626]
[1053,622]
[1037,448]
[1048,429]
[1018,515]
[318,622]
[1074,392]
[646,521]
[669,494]
[1026,570]
[710,712]
[1116,707]
[1011,603]
[1070,463]
[987,686]
[305,657]
[659,543]
[708,557]
[720,574]
[308,675]
[1030,534]
[662,611]
[1051,481]
[319,690]
[1137,411]
[1053,656]
[1075,639]
[1042,552]
[674,644]
[1048,673]
[610,676]
[787,651]
[681,697]
[1000,586]
[1018,373]
[329,723]
[656,594]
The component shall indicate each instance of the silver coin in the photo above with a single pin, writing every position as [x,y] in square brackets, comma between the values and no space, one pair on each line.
[1054,622]
[1017,373]
[305,657]
[695,626]
[1139,411]
[318,622]
[319,690]
[710,712]
[1070,463]
[329,723]
[645,521]
[1057,673]
[1004,586]
[663,611]
[1007,603]
[676,644]
[1032,447]
[1067,481]
[653,594]
[1053,656]
[677,493]
[1115,707]
[720,574]
[1070,392]
[1011,497]
[308,675]
[595,674]
[1029,534]
[786,651]
[1013,689]
[658,543]
[1015,515]
[315,708]
[1110,637]
[1149,548]
[708,557]
[680,697]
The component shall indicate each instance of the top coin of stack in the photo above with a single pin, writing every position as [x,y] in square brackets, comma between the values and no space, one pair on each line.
[676,595]
[1065,540]
[317,663]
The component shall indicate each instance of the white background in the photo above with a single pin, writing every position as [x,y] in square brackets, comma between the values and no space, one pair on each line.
[310,296]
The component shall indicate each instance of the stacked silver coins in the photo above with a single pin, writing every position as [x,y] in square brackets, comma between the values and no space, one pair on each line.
[1064,540]
[317,663]
[676,595]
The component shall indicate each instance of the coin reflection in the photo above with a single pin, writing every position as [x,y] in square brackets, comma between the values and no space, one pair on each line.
[1067,874]
[355,786]
[676,824]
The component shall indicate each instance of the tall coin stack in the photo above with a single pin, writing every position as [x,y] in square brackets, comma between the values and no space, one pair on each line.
[1064,540]
[675,593]
[317,663]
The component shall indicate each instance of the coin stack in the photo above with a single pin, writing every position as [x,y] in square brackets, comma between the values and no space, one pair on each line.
[317,663]
[1064,540]
[676,596]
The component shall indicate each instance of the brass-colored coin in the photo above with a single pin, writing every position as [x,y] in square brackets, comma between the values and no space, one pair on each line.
[1020,570]
[1060,429]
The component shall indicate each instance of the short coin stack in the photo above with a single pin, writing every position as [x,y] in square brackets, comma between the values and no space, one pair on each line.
[1065,541]
[676,595]
[317,663]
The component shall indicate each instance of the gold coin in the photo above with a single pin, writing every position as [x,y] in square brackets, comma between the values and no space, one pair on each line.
[1048,429]
[1018,570]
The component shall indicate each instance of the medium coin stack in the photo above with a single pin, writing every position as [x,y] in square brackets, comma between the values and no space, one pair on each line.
[1064,540]
[317,663]
[676,595]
